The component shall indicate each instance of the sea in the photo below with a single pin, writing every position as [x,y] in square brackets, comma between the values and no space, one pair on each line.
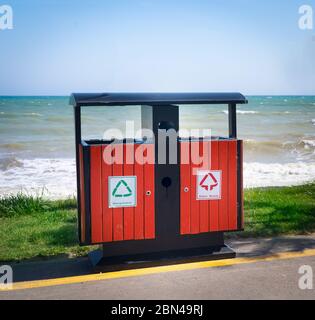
[37,151]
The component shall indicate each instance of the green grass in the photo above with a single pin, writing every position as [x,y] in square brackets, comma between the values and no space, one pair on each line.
[279,210]
[32,227]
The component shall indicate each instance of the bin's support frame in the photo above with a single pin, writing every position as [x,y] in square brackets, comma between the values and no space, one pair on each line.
[78,138]
[232,121]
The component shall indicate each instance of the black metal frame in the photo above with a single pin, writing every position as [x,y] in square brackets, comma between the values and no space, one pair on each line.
[156,99]
[78,138]
[156,108]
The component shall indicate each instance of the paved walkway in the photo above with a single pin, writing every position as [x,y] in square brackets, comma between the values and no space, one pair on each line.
[264,269]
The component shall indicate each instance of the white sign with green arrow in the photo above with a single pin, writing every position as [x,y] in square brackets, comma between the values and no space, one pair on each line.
[122,191]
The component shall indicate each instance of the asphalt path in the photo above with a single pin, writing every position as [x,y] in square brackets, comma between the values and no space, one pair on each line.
[264,269]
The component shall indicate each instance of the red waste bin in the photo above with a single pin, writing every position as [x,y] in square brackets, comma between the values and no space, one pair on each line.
[150,210]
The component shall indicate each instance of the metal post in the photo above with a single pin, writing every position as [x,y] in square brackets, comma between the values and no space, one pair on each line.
[232,121]
[77,125]
[166,197]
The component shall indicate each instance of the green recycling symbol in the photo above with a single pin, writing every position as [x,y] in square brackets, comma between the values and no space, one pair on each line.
[120,195]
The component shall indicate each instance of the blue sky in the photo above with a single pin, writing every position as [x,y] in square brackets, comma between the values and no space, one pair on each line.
[63,46]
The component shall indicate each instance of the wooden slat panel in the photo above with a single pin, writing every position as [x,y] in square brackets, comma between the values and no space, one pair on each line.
[214,204]
[149,207]
[139,209]
[232,185]
[118,220]
[107,212]
[204,205]
[96,194]
[128,212]
[241,184]
[223,203]
[194,204]
[185,177]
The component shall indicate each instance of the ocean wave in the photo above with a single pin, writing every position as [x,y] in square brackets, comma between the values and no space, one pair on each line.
[299,143]
[242,112]
[32,114]
[256,143]
[56,178]
[23,114]
[308,144]
[13,146]
[276,174]
[8,163]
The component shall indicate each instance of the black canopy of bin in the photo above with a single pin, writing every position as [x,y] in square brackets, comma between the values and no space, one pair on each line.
[121,99]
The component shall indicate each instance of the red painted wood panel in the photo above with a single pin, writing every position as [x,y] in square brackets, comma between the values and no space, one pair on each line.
[118,219]
[241,182]
[128,212]
[139,209]
[211,215]
[96,194]
[149,207]
[204,205]
[194,204]
[223,203]
[214,204]
[107,212]
[185,176]
[232,185]
[82,194]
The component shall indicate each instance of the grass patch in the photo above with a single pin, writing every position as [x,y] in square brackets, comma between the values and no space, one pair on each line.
[33,227]
[279,210]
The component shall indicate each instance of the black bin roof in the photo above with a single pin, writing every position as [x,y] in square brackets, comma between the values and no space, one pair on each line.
[123,99]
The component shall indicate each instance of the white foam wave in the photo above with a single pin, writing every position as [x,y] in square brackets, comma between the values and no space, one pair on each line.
[242,111]
[57,177]
[277,174]
[54,177]
[32,114]
[308,144]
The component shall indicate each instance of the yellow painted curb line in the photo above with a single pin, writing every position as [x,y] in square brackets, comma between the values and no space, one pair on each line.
[155,270]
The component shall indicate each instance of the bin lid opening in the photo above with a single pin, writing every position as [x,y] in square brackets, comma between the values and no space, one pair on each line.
[123,99]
